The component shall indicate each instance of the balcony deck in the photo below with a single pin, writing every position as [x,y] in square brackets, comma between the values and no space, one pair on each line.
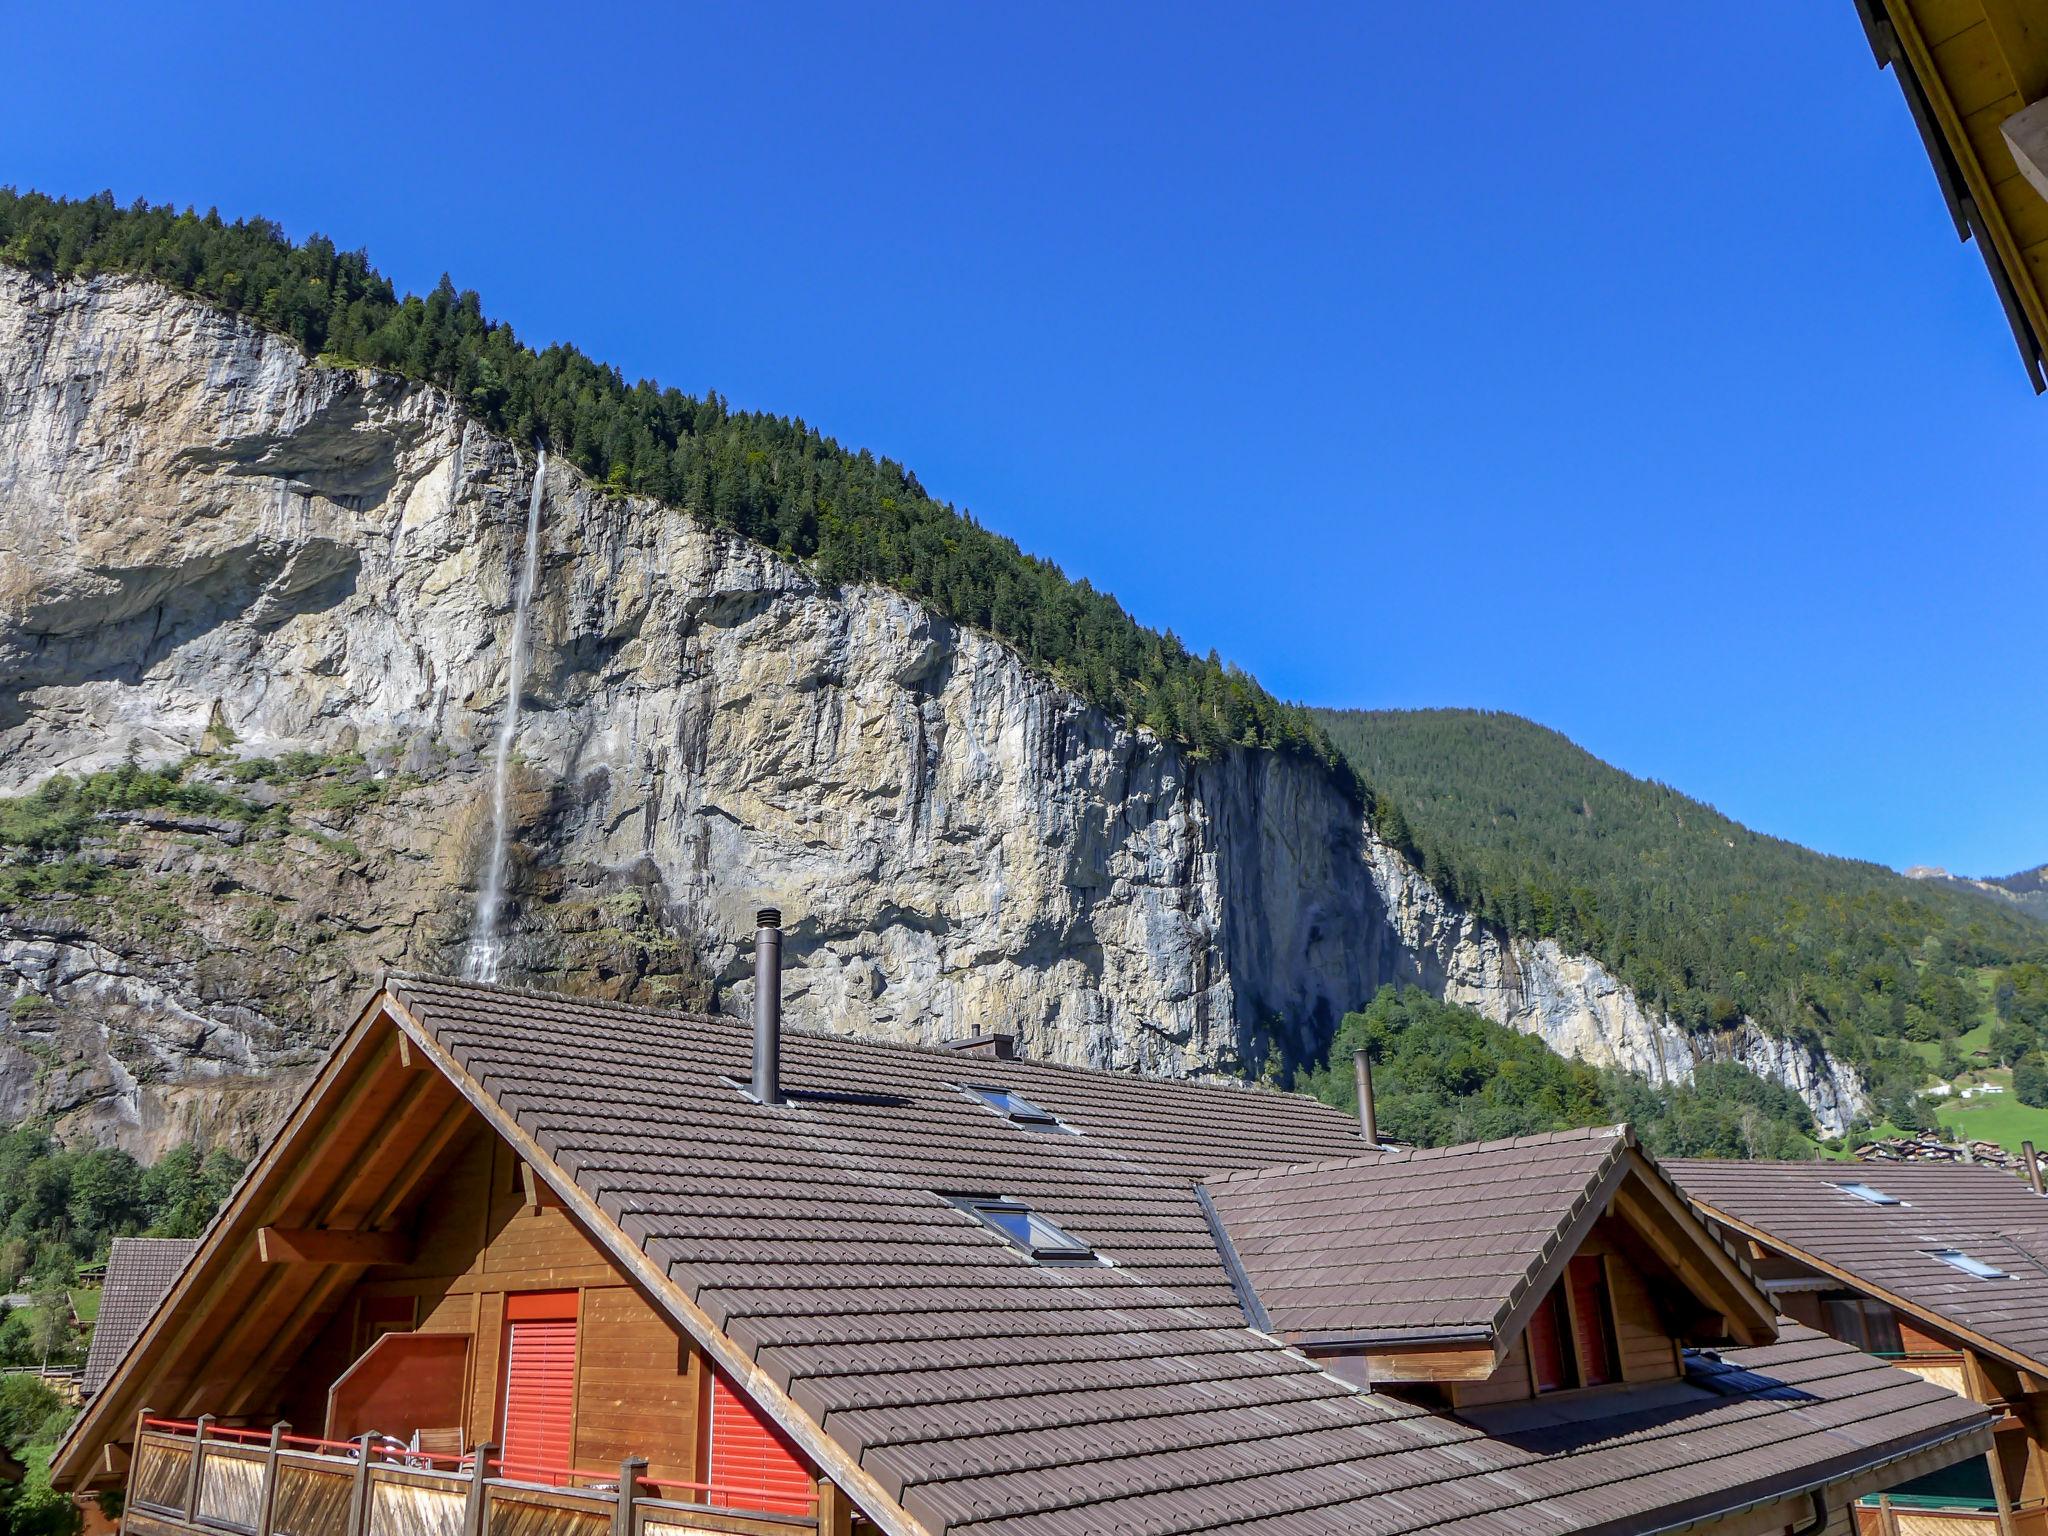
[1897,1514]
[196,1479]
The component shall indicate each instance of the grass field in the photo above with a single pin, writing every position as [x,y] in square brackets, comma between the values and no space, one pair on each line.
[2000,1118]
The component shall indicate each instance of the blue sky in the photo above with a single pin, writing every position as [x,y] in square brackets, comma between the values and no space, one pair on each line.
[1612,364]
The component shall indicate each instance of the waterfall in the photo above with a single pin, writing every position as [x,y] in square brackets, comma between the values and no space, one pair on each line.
[486,943]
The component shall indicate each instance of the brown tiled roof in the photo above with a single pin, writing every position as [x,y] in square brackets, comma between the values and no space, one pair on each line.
[1399,1246]
[1986,1213]
[992,1395]
[140,1271]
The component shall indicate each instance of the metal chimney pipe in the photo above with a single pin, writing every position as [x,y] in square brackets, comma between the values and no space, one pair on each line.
[1368,1115]
[768,1006]
[2033,1161]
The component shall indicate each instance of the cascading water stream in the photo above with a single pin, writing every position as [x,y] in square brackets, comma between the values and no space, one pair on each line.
[486,945]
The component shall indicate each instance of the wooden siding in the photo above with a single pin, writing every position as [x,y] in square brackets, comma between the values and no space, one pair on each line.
[637,1371]
[1647,1350]
[159,1476]
[478,1239]
[311,1501]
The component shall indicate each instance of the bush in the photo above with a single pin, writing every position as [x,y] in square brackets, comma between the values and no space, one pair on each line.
[36,1509]
[2030,1080]
[26,1406]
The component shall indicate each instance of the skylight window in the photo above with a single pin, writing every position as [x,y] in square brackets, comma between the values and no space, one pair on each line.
[1024,1227]
[1955,1258]
[1017,1109]
[1870,1193]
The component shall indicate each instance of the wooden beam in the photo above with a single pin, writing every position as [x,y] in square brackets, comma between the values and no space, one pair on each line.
[835,1509]
[427,1155]
[1995,1464]
[174,1337]
[306,1310]
[315,1245]
[1707,1269]
[1461,1364]
[394,1145]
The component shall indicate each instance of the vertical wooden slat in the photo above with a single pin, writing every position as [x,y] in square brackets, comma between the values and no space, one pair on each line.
[835,1509]
[479,1473]
[192,1468]
[1991,1460]
[266,1512]
[631,1470]
[359,1489]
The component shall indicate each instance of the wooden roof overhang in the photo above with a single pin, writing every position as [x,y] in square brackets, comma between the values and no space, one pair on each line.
[1966,67]
[1849,1280]
[325,1200]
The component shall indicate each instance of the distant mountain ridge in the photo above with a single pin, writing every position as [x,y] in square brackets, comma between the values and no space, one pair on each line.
[2027,890]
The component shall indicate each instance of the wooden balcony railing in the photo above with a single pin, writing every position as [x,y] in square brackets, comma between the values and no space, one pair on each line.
[195,1478]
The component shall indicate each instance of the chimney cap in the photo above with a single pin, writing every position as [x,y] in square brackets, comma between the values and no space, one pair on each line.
[1001,1046]
[768,917]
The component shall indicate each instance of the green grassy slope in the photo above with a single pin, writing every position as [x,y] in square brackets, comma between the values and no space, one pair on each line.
[1698,913]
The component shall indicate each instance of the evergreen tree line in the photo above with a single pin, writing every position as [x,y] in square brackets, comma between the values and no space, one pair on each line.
[61,1207]
[1443,1075]
[1700,916]
[852,516]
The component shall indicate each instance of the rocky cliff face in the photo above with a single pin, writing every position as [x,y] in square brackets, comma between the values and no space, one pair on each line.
[1576,1005]
[303,576]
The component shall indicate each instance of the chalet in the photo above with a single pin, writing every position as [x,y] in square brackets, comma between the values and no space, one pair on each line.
[520,1265]
[1940,1268]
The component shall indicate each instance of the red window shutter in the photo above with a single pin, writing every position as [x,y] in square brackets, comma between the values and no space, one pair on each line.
[1546,1345]
[1596,1320]
[540,1386]
[753,1465]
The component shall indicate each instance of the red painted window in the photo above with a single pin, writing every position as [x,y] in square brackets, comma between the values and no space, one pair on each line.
[1548,1331]
[540,1386]
[753,1465]
[1588,1279]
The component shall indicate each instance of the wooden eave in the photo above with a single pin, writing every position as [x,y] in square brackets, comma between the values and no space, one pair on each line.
[1851,1281]
[1965,66]
[358,1146]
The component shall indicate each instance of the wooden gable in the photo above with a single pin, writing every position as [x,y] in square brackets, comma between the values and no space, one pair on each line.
[1669,1284]
[367,1275]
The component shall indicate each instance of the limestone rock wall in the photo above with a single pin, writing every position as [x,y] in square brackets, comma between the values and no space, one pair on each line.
[214,544]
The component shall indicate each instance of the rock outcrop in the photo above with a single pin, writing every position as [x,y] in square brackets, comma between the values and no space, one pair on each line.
[1579,1007]
[303,574]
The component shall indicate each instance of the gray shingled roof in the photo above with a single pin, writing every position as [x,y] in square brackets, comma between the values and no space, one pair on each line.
[996,1396]
[1980,1210]
[1403,1245]
[140,1271]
